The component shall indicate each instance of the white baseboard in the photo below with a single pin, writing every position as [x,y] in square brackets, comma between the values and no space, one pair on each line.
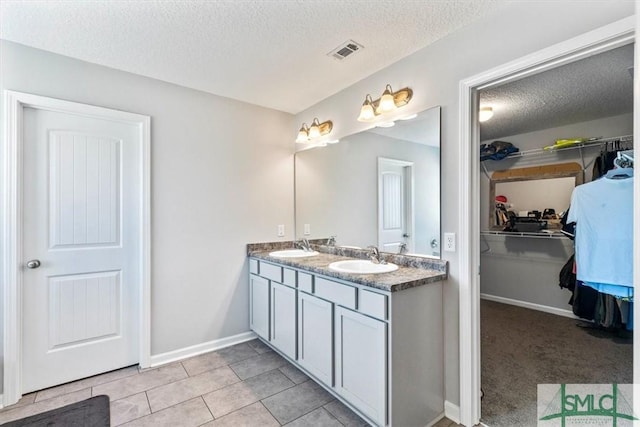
[452,411]
[1,401]
[530,305]
[194,350]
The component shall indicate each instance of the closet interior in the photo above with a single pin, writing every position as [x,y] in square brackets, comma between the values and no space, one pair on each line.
[557,162]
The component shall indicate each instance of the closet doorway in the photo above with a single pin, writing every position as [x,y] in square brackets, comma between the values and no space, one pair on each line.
[568,124]
[527,332]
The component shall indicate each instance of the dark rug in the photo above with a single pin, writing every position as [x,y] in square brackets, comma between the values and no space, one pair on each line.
[93,412]
[522,348]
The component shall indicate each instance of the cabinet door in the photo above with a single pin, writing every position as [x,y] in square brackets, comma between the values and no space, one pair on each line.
[315,336]
[259,305]
[283,319]
[361,363]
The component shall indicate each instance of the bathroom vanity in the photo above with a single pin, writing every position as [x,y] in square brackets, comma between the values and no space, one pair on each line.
[375,341]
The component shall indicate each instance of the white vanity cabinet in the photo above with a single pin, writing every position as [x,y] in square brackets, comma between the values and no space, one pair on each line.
[259,305]
[380,352]
[272,305]
[283,319]
[361,362]
[315,336]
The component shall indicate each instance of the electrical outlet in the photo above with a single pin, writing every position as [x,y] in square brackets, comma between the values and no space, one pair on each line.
[307,229]
[449,242]
[281,230]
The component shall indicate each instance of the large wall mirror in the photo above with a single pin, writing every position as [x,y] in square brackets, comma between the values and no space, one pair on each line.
[378,187]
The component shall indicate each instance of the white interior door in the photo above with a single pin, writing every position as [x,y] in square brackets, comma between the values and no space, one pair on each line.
[395,205]
[81,245]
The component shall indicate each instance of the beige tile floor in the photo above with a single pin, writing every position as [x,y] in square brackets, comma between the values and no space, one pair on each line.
[244,385]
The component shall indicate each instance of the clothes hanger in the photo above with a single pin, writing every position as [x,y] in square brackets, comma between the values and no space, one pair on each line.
[620,173]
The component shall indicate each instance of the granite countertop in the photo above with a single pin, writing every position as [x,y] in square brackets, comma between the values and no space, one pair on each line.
[411,272]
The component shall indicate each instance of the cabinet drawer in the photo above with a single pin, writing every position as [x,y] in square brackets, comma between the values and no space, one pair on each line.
[373,304]
[253,266]
[344,295]
[271,272]
[289,277]
[305,282]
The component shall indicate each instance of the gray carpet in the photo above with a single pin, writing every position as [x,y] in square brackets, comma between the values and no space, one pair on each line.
[522,348]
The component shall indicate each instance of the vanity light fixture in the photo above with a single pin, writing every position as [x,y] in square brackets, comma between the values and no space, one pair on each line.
[315,131]
[387,103]
[485,114]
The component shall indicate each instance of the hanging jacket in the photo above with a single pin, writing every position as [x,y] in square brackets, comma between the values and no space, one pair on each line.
[567,276]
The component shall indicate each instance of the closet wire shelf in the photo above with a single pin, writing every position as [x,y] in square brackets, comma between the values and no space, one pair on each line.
[625,139]
[594,143]
[532,235]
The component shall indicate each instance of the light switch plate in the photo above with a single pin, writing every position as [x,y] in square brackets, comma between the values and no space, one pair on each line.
[281,230]
[307,229]
[449,242]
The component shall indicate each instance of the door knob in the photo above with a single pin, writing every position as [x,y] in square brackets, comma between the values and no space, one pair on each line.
[34,263]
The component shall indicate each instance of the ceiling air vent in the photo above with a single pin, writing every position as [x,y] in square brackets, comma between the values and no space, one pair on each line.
[345,49]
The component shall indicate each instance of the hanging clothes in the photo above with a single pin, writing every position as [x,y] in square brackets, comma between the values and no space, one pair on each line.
[603,164]
[603,213]
[583,301]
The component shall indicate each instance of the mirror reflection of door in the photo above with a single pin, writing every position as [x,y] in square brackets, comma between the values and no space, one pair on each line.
[395,205]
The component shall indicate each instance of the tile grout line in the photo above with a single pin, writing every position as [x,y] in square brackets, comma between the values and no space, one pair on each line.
[252,403]
[207,405]
[74,391]
[148,403]
[331,413]
[270,413]
[152,388]
[178,403]
[28,405]
[315,409]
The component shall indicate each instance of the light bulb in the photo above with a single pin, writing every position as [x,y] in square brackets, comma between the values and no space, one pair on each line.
[302,134]
[314,130]
[387,103]
[367,113]
[485,114]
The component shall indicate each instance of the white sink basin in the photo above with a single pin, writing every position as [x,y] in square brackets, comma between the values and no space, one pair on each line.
[361,266]
[292,253]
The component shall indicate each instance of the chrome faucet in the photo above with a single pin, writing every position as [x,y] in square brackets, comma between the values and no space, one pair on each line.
[304,245]
[402,248]
[375,256]
[331,241]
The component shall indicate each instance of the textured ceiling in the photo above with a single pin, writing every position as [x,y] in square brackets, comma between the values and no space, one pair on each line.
[592,88]
[270,53]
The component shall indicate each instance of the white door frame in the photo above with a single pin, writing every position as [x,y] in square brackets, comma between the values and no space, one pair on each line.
[12,256]
[602,39]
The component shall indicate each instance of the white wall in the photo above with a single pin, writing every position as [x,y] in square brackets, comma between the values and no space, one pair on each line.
[434,74]
[221,177]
